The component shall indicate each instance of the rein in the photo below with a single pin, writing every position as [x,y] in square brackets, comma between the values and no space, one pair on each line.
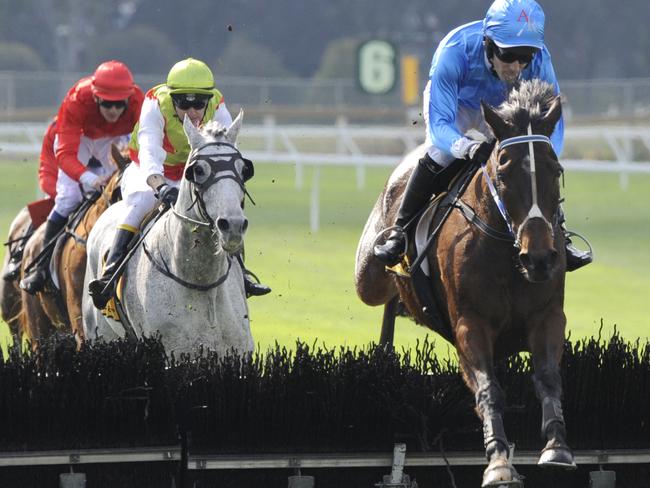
[533,212]
[164,269]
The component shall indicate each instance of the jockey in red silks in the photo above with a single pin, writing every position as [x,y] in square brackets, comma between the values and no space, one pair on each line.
[47,175]
[97,111]
[159,148]
[478,61]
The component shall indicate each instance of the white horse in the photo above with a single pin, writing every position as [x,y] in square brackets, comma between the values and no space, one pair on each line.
[184,280]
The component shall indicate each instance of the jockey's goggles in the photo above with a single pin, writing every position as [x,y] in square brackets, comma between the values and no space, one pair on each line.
[120,104]
[523,54]
[185,101]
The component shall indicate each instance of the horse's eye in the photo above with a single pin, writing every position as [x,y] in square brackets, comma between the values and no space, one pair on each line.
[199,172]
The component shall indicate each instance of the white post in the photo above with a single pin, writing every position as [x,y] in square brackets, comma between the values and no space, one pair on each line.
[269,129]
[397,472]
[624,179]
[315,203]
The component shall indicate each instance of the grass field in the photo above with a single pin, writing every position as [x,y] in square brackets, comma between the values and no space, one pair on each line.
[312,273]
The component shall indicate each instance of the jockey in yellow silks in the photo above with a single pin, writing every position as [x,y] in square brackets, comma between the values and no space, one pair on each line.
[159,149]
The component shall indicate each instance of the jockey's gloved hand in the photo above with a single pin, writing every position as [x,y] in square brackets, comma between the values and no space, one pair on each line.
[480,152]
[167,194]
[91,180]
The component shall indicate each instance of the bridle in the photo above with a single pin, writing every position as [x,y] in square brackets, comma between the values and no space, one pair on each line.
[534,211]
[222,167]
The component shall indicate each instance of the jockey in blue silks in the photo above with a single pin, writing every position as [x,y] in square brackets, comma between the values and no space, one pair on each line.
[476,61]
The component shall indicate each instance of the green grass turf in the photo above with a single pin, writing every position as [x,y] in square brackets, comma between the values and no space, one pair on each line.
[311,274]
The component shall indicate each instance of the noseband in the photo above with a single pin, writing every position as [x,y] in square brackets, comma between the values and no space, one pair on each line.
[222,168]
[534,211]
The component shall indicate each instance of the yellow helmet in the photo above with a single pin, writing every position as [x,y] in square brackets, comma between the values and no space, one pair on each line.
[190,76]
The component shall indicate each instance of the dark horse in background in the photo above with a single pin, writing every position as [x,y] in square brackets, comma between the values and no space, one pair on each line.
[498,285]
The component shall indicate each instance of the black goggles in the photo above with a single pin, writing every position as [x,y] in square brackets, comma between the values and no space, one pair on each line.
[113,103]
[523,55]
[187,101]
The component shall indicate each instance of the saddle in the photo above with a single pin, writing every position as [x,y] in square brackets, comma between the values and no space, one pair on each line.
[114,309]
[421,232]
[69,233]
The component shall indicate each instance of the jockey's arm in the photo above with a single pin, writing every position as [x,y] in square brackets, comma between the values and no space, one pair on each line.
[150,138]
[69,130]
[48,168]
[442,95]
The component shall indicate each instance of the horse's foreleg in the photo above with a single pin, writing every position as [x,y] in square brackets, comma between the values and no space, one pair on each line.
[546,343]
[388,322]
[475,348]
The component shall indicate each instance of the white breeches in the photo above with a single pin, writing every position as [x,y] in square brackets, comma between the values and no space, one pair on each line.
[138,196]
[68,191]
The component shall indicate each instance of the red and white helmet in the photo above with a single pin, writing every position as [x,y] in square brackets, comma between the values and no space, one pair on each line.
[112,81]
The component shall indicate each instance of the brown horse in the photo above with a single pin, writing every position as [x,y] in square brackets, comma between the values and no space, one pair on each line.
[497,275]
[9,290]
[49,311]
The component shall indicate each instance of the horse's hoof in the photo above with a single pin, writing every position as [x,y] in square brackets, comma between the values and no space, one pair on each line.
[501,474]
[557,457]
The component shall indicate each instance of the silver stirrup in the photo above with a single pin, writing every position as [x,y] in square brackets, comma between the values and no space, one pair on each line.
[390,229]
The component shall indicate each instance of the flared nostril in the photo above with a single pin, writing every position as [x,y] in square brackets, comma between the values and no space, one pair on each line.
[245,226]
[223,225]
[525,260]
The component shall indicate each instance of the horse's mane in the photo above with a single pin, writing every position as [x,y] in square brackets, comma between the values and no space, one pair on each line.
[528,101]
[214,130]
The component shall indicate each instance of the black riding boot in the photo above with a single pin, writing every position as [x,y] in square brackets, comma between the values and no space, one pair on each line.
[252,285]
[35,279]
[575,258]
[421,186]
[116,254]
[16,255]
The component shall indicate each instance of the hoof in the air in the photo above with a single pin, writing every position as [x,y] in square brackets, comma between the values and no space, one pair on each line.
[557,458]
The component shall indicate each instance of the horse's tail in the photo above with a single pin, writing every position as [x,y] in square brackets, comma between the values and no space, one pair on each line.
[21,319]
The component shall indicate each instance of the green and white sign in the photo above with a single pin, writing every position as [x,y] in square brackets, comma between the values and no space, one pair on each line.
[377,66]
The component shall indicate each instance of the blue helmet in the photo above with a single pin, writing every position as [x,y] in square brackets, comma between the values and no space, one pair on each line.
[513,23]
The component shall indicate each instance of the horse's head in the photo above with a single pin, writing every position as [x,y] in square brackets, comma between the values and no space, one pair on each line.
[526,173]
[213,183]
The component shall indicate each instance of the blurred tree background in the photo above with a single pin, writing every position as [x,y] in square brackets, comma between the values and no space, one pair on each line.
[284,38]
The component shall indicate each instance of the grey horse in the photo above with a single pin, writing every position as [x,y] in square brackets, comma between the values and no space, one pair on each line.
[184,281]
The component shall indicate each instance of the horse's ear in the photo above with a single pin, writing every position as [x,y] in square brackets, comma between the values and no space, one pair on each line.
[552,116]
[233,130]
[192,133]
[121,161]
[496,123]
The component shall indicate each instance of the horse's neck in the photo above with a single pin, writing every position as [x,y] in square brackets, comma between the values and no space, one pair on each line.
[189,248]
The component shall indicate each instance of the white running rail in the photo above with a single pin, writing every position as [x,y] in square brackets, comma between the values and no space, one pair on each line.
[342,144]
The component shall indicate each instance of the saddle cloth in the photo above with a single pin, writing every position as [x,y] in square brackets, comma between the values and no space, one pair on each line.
[424,229]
